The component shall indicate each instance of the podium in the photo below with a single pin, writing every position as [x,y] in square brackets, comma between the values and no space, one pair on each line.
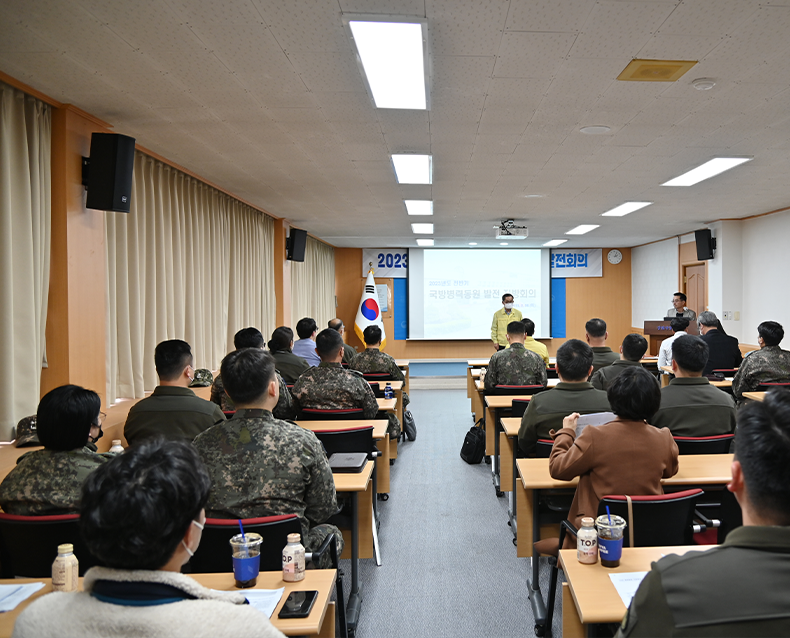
[657,331]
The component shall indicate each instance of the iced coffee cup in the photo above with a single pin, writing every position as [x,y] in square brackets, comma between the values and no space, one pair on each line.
[610,539]
[246,552]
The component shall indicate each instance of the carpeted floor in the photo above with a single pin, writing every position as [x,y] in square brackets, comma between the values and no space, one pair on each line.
[449,566]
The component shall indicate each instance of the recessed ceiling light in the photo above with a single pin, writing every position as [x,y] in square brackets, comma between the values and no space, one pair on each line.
[584,228]
[391,54]
[419,206]
[422,229]
[412,169]
[503,243]
[624,209]
[425,242]
[533,195]
[703,84]
[473,243]
[708,169]
[596,129]
[555,242]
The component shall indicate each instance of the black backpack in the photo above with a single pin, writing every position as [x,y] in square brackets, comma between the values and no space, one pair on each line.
[474,448]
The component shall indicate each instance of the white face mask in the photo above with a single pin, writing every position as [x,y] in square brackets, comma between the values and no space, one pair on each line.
[508,306]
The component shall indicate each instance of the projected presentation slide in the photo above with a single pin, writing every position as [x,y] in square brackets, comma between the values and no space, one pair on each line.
[459,290]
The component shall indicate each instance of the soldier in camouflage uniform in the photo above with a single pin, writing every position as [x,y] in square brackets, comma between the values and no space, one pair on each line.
[262,466]
[330,387]
[769,364]
[252,338]
[49,481]
[349,352]
[515,365]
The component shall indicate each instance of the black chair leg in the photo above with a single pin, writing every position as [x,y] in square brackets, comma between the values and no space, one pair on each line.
[341,603]
[555,570]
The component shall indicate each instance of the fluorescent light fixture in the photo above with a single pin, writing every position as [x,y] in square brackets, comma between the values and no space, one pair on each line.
[419,206]
[422,229]
[473,243]
[624,209]
[412,169]
[555,242]
[503,243]
[584,228]
[391,54]
[708,169]
[425,242]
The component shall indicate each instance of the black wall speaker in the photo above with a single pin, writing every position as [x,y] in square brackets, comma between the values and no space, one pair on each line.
[705,244]
[297,241]
[108,172]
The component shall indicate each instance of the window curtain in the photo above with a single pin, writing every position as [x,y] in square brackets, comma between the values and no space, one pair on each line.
[188,262]
[25,229]
[313,284]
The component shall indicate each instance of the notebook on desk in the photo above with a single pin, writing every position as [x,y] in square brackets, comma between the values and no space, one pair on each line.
[348,462]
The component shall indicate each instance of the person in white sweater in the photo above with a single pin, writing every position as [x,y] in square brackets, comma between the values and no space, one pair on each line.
[142,516]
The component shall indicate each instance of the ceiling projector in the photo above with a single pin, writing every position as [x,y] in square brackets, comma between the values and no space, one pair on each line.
[508,230]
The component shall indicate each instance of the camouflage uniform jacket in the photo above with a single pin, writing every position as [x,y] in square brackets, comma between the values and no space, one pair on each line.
[770,364]
[515,366]
[262,466]
[48,482]
[374,360]
[283,410]
[330,387]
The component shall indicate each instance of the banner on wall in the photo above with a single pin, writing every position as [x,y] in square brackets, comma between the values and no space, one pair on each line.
[582,262]
[386,262]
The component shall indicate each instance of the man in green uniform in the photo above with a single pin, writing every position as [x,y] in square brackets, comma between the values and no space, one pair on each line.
[172,410]
[769,364]
[690,405]
[288,365]
[572,394]
[631,352]
[740,587]
[597,335]
[502,318]
[348,351]
[260,465]
[372,359]
[516,365]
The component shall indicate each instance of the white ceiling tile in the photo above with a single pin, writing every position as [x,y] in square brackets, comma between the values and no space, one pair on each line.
[704,19]
[532,55]
[471,27]
[559,15]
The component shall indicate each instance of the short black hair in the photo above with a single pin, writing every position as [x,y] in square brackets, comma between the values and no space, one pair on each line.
[762,446]
[65,416]
[306,327]
[371,335]
[771,332]
[335,324]
[681,295]
[690,352]
[248,338]
[137,506]
[281,339]
[529,326]
[574,358]
[327,343]
[679,324]
[506,295]
[596,328]
[516,328]
[171,357]
[246,373]
[634,394]
[634,346]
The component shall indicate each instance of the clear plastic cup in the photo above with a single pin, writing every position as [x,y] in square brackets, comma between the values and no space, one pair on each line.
[246,558]
[610,539]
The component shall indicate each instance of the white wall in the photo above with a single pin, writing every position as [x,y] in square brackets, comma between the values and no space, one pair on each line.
[654,277]
[725,277]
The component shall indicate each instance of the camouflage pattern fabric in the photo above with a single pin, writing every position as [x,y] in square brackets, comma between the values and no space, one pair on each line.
[330,387]
[48,482]
[284,409]
[26,433]
[203,378]
[768,365]
[374,360]
[263,466]
[515,366]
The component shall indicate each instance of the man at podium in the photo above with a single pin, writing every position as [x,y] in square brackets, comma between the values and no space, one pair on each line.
[679,308]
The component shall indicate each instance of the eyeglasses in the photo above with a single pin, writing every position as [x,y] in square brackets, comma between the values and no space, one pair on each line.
[99,420]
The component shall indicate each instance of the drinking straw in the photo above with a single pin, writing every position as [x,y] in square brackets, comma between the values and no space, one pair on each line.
[245,552]
[241,527]
[608,513]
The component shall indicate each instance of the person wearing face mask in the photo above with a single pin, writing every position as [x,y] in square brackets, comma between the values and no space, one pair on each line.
[47,482]
[172,410]
[502,318]
[142,517]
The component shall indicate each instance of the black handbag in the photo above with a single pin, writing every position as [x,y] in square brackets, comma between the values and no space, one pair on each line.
[409,426]
[474,447]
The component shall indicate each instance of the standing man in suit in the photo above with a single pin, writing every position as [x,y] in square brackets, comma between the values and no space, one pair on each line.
[679,308]
[724,350]
[502,318]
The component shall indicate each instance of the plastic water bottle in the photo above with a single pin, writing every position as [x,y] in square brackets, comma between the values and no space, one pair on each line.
[587,542]
[116,448]
[388,391]
[293,559]
[65,569]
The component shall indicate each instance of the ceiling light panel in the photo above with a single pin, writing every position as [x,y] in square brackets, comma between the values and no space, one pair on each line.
[422,229]
[707,170]
[419,206]
[555,242]
[625,209]
[581,230]
[412,169]
[391,52]
[425,242]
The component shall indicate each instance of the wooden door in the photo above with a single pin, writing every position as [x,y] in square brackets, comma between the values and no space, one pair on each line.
[696,288]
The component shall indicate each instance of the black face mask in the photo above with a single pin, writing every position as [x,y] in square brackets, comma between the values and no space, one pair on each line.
[92,439]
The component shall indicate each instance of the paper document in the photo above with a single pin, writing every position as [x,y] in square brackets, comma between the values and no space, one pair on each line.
[599,418]
[265,600]
[626,584]
[12,595]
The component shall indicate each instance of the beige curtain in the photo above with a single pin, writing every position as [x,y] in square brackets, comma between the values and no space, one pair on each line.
[25,226]
[188,262]
[313,284]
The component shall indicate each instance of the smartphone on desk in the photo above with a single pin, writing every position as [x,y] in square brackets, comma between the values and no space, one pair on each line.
[298,604]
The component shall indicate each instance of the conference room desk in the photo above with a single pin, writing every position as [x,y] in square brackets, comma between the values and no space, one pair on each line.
[397,392]
[320,622]
[403,364]
[589,597]
[754,396]
[390,405]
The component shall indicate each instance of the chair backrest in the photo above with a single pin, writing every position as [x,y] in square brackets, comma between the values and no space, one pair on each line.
[719,444]
[29,544]
[518,407]
[378,389]
[347,440]
[378,376]
[228,413]
[664,519]
[543,448]
[333,415]
[727,372]
[518,389]
[213,555]
[764,387]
